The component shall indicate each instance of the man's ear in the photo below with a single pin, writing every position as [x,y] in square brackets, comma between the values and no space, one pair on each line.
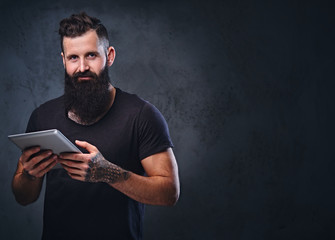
[110,56]
[63,58]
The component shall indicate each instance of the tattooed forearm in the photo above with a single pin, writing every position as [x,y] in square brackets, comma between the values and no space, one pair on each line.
[101,170]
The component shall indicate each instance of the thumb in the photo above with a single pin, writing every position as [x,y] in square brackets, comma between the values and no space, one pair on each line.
[89,147]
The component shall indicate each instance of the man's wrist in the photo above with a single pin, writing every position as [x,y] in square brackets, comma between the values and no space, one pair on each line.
[101,170]
[115,174]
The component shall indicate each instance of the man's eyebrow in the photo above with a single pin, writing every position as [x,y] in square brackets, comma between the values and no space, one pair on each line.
[92,52]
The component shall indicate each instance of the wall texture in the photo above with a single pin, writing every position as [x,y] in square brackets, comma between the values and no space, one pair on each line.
[246,88]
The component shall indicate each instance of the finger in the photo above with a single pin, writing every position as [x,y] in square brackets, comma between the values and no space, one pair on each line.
[43,167]
[76,177]
[89,147]
[70,163]
[32,163]
[47,169]
[79,157]
[75,171]
[28,152]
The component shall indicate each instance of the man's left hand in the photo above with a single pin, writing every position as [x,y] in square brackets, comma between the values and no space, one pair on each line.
[91,167]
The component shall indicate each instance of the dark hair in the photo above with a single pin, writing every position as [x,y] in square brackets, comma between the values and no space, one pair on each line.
[78,24]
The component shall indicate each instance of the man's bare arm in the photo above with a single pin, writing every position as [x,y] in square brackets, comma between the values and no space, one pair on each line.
[28,178]
[159,187]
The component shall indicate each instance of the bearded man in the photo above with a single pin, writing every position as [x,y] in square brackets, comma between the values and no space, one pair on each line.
[127,158]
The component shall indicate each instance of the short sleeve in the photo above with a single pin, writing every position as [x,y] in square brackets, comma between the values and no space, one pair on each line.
[154,136]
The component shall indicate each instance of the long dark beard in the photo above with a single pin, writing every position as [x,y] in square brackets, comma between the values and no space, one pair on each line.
[88,99]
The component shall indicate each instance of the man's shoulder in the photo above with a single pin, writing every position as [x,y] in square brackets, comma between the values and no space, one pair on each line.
[133,104]
[129,100]
[45,114]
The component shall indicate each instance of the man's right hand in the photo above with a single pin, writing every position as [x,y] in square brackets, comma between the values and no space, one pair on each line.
[32,166]
[37,163]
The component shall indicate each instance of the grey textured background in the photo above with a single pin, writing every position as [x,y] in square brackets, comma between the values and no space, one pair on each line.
[247,90]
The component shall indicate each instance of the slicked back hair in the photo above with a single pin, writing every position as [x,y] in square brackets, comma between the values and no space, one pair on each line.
[78,24]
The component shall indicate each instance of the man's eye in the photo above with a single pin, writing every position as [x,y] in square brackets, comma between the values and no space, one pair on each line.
[91,55]
[73,57]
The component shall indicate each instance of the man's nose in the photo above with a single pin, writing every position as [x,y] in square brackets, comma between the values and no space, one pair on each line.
[83,66]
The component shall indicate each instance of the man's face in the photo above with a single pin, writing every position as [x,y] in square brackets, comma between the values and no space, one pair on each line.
[86,53]
[86,76]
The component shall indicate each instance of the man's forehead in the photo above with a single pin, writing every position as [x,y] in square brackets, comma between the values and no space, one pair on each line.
[88,41]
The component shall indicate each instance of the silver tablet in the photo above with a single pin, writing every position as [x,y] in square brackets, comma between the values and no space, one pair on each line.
[51,139]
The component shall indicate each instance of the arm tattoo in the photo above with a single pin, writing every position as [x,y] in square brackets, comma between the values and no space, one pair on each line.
[101,170]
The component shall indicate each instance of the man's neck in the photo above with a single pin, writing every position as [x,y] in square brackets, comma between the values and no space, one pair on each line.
[72,115]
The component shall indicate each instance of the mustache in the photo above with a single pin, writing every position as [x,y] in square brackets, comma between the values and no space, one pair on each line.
[85,74]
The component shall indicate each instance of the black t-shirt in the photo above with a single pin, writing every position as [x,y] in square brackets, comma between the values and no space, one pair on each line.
[132,130]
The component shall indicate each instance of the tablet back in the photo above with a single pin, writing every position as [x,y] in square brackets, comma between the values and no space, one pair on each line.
[49,139]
